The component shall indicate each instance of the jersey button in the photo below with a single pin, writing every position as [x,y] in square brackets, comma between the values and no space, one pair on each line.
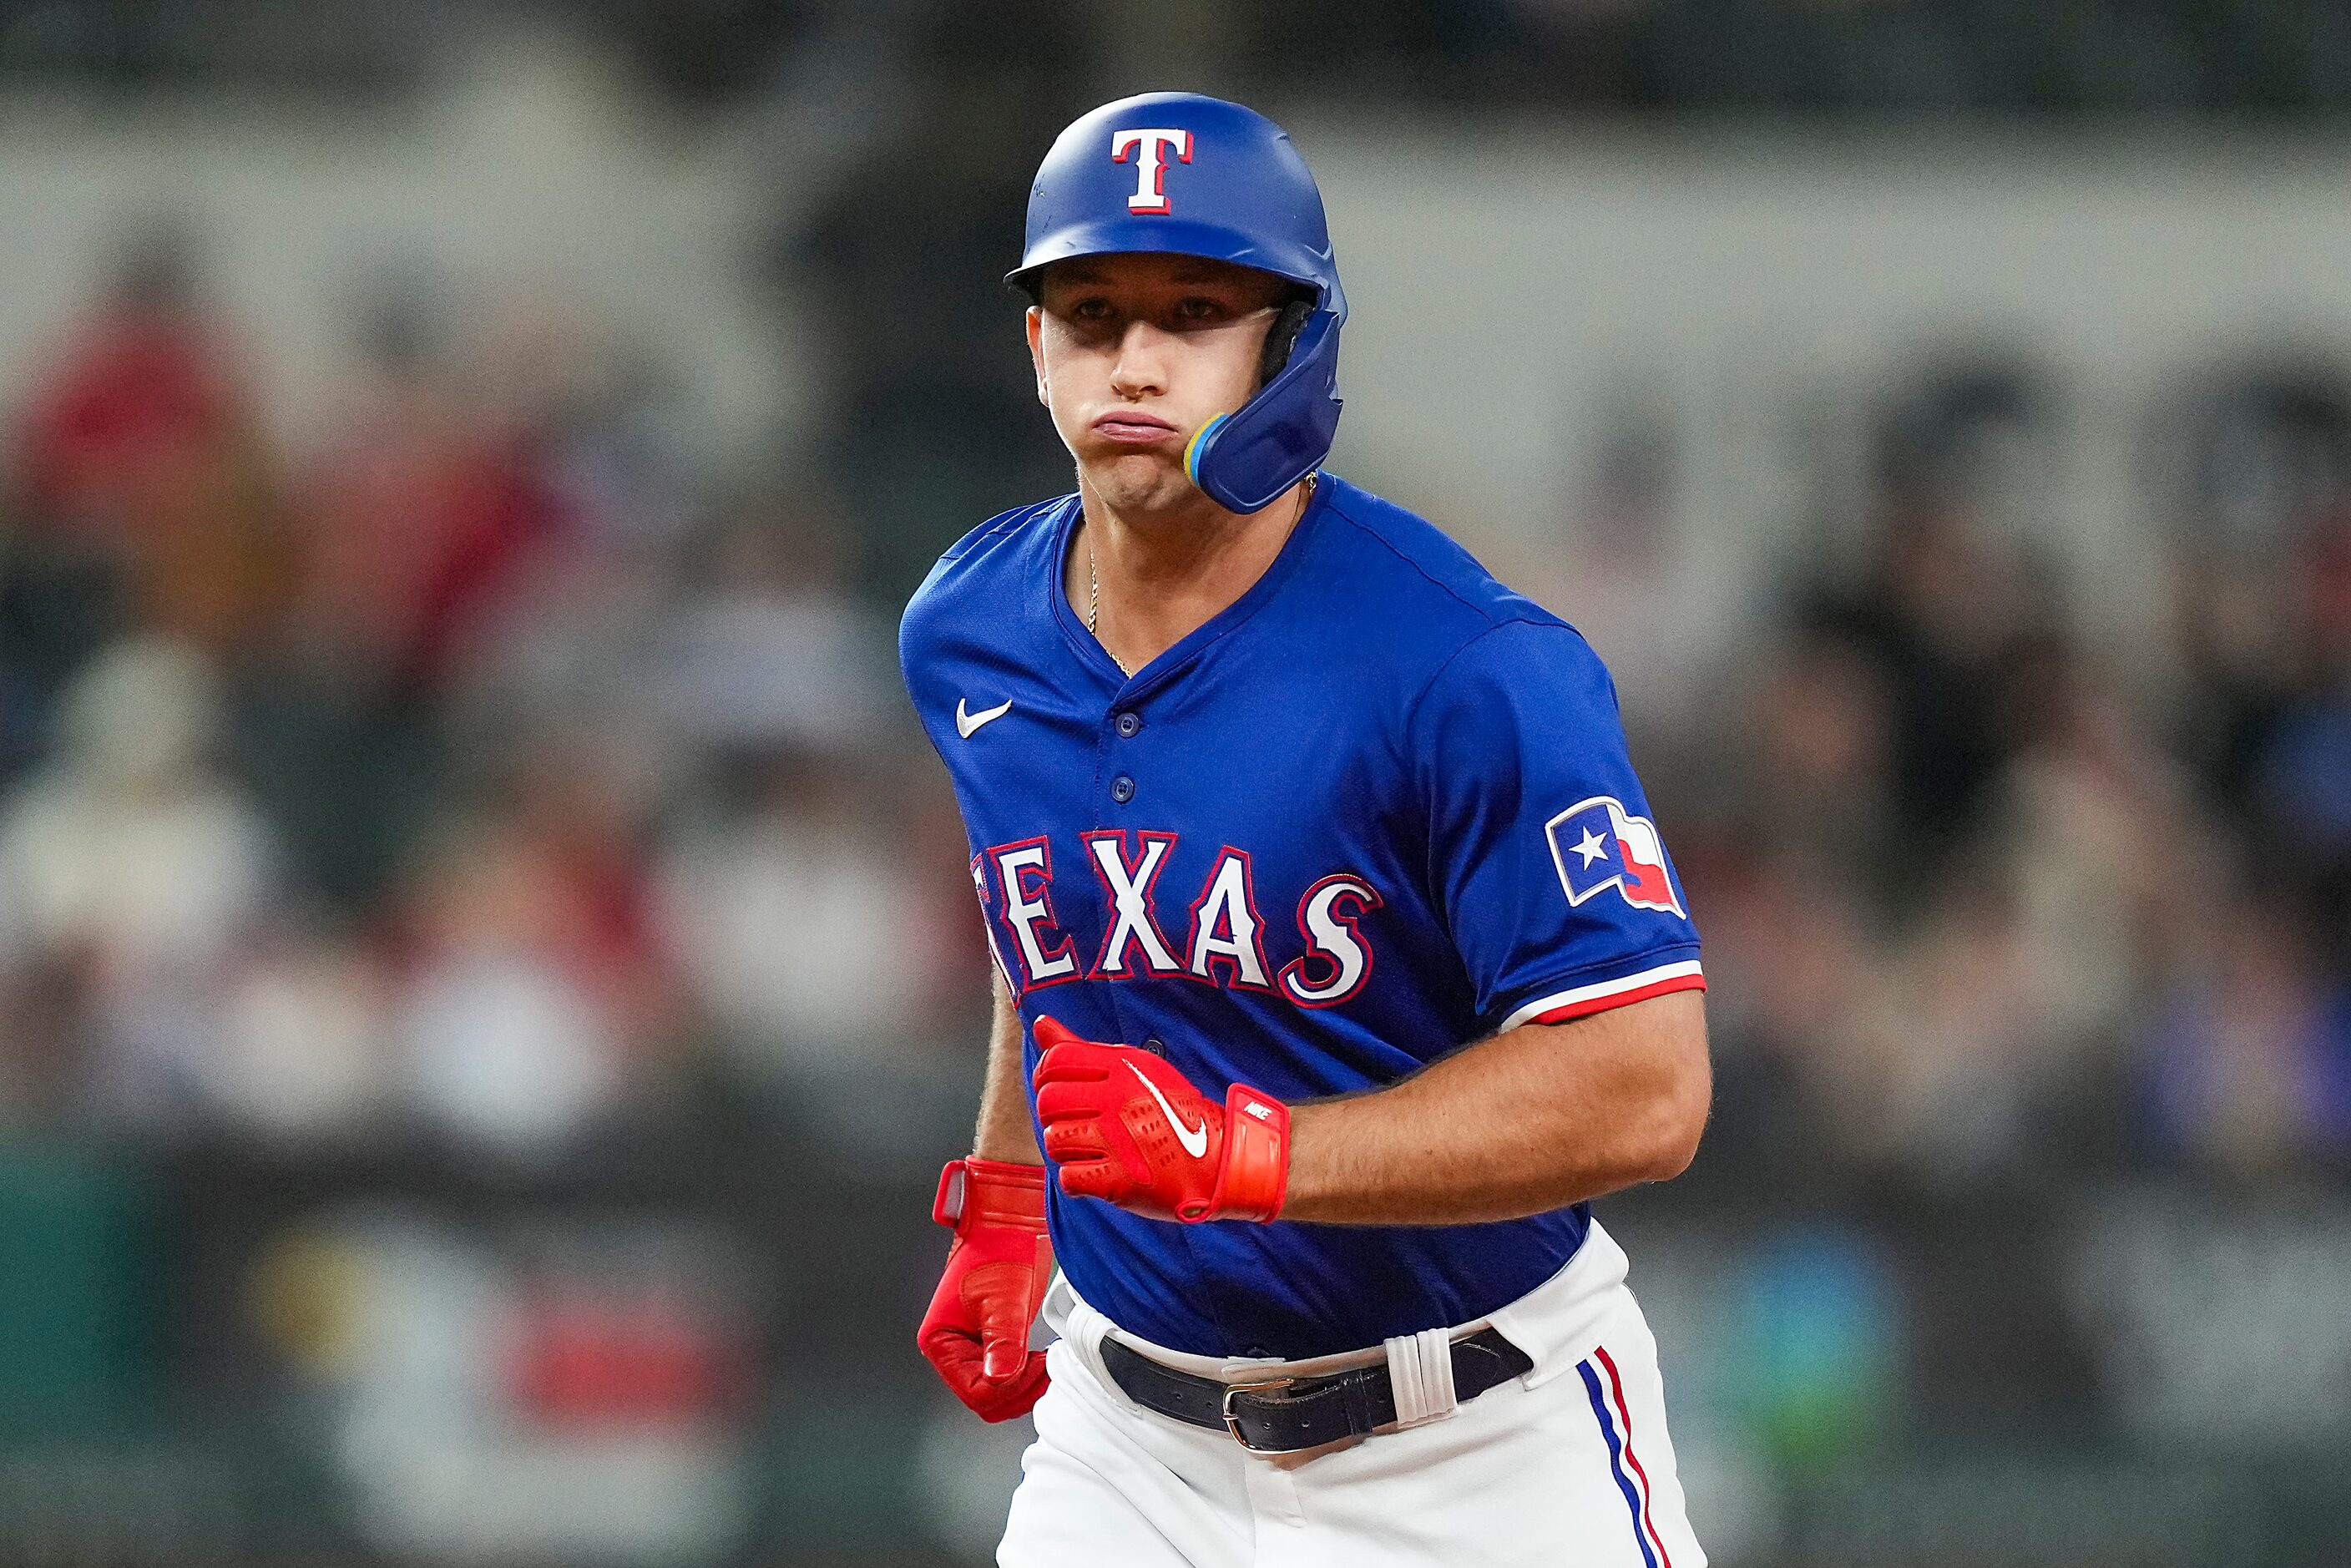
[1121,789]
[1128,724]
[1154,1045]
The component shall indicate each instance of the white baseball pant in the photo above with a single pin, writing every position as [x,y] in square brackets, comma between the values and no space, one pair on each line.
[1567,1467]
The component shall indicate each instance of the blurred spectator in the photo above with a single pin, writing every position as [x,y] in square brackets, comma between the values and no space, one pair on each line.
[143,489]
[2242,1053]
[1790,954]
[537,992]
[2090,831]
[1817,788]
[801,928]
[771,651]
[305,1052]
[425,513]
[615,454]
[1940,613]
[2303,770]
[139,389]
[434,524]
[560,625]
[130,874]
[2235,667]
[837,960]
[1957,1049]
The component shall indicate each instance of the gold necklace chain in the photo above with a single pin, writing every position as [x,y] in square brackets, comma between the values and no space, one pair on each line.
[1093,592]
[1093,582]
[1093,607]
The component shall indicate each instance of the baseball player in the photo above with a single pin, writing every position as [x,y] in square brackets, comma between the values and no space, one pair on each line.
[1341,963]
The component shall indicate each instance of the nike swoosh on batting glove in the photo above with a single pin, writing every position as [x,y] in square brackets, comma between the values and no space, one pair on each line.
[976,1331]
[1126,1127]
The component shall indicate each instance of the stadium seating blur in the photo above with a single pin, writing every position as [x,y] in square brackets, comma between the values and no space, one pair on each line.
[487,965]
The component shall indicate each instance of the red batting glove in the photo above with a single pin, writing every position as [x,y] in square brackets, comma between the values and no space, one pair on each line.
[1126,1127]
[977,1332]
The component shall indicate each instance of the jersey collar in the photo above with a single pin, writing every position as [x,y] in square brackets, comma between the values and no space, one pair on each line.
[1097,659]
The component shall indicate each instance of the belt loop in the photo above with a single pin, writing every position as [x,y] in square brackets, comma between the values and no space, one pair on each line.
[1420,1373]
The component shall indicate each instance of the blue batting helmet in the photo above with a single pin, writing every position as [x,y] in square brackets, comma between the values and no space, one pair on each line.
[1187,175]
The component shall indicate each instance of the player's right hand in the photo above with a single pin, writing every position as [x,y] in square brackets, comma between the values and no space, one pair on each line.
[977,1332]
[1126,1127]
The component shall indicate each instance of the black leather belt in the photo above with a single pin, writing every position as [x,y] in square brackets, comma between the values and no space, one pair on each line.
[1284,1415]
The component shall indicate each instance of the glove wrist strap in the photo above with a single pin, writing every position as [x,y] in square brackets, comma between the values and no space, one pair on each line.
[990,1192]
[1254,1177]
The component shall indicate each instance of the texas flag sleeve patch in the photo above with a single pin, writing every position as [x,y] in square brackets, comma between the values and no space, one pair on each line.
[1599,846]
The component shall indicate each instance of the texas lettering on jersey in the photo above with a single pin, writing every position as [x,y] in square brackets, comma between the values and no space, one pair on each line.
[1223,940]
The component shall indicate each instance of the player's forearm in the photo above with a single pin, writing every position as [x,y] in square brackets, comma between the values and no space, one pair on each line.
[1529,1121]
[1004,1132]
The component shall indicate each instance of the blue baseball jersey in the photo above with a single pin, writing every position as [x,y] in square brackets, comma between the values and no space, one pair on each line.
[1378,807]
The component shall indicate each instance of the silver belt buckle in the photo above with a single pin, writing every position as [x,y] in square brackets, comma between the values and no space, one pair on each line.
[1232,1422]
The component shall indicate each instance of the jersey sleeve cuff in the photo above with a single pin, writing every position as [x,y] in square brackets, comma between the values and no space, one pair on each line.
[1598,997]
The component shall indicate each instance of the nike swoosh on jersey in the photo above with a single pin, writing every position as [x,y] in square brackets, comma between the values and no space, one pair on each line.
[1194,1139]
[967,722]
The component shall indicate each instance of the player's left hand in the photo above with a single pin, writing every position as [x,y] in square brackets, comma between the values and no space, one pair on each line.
[1126,1127]
[977,1330]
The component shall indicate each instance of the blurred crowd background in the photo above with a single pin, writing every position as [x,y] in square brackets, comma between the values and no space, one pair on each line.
[487,971]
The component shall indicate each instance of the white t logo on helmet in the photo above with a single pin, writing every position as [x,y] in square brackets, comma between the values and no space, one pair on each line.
[1151,171]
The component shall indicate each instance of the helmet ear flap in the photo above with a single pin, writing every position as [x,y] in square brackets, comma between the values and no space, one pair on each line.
[1244,459]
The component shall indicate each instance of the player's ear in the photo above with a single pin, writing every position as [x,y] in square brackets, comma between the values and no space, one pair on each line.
[1037,352]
